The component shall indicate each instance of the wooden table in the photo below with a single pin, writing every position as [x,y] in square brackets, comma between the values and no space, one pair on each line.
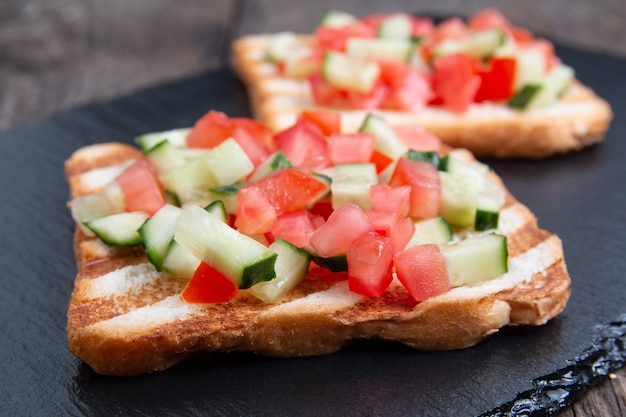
[56,54]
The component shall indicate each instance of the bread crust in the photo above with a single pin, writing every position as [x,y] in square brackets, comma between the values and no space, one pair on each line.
[579,119]
[125,318]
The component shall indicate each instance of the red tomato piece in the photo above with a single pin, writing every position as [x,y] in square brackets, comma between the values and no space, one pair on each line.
[208,285]
[422,271]
[423,178]
[369,264]
[259,131]
[455,81]
[488,19]
[387,198]
[421,26]
[329,122]
[141,188]
[373,99]
[294,227]
[411,92]
[325,94]
[381,160]
[250,145]
[343,226]
[290,189]
[394,226]
[417,138]
[255,214]
[335,38]
[210,130]
[303,142]
[497,82]
[349,148]
[322,210]
[452,29]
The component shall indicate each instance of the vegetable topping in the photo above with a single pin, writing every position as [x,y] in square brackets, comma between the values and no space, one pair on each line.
[232,208]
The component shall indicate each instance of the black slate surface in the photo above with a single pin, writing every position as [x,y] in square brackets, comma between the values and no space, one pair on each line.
[580,196]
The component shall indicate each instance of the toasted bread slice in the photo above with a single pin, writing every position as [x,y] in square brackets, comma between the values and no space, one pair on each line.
[578,119]
[125,318]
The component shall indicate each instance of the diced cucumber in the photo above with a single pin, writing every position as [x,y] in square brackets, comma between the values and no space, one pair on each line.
[432,157]
[276,161]
[279,46]
[119,229]
[228,162]
[177,137]
[217,209]
[224,164]
[379,48]
[434,230]
[240,258]
[91,207]
[484,43]
[529,69]
[522,99]
[396,26]
[458,199]
[476,259]
[387,142]
[351,184]
[227,194]
[456,165]
[348,72]
[165,156]
[337,263]
[478,44]
[300,63]
[335,18]
[157,234]
[292,266]
[486,219]
[540,95]
[179,262]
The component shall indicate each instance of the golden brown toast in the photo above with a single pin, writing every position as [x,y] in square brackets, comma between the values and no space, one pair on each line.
[579,119]
[125,318]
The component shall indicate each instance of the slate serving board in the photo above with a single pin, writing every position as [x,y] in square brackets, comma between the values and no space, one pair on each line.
[579,196]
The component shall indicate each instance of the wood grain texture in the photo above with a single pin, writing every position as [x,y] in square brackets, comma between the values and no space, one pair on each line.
[56,54]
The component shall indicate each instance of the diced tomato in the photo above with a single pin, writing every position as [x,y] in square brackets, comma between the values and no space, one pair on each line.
[417,138]
[208,285]
[450,29]
[329,122]
[423,178]
[394,226]
[343,226]
[141,188]
[322,209]
[497,81]
[250,144]
[488,19]
[455,81]
[294,227]
[421,26]
[381,160]
[335,38]
[348,148]
[422,271]
[210,130]
[323,93]
[369,264]
[290,189]
[302,142]
[255,214]
[373,99]
[374,20]
[411,91]
[387,198]
[258,130]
